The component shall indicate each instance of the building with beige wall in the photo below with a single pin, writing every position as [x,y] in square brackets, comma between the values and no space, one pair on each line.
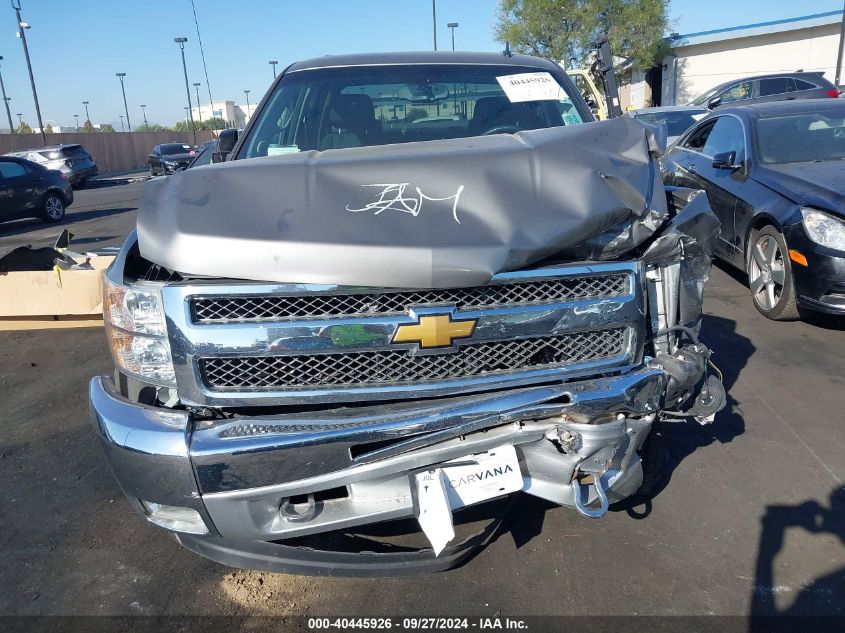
[700,61]
[234,114]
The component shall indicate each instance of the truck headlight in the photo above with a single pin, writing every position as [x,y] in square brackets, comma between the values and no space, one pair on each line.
[824,229]
[136,332]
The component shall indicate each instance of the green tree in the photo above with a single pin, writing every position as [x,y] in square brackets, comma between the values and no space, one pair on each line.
[24,128]
[88,127]
[48,129]
[565,30]
[106,127]
[216,123]
[150,127]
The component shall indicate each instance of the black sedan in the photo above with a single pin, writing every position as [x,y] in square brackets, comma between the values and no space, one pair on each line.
[29,190]
[775,176]
[168,158]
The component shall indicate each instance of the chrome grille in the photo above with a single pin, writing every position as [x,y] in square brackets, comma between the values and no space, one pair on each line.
[210,309]
[398,366]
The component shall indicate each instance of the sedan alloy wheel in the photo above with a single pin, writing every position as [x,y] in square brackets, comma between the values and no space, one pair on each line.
[769,275]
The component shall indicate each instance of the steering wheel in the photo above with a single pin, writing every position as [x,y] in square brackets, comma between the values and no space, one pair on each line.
[501,129]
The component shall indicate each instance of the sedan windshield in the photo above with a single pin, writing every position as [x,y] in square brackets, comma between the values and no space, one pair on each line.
[704,99]
[336,108]
[676,122]
[802,138]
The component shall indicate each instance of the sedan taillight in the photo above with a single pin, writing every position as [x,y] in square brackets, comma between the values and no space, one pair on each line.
[834,93]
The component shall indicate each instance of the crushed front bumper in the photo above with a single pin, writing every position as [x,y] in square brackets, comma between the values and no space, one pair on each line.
[259,480]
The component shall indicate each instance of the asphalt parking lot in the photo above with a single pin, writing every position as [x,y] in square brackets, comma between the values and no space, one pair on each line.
[749,516]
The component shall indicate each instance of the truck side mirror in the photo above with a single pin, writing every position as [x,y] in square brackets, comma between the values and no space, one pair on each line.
[225,144]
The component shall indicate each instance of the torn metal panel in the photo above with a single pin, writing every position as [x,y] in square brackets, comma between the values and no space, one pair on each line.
[430,214]
[690,237]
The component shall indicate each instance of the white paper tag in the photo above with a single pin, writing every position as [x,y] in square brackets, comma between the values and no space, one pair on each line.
[433,510]
[487,476]
[276,150]
[539,86]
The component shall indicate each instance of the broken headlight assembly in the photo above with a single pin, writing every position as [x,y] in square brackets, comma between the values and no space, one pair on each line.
[136,333]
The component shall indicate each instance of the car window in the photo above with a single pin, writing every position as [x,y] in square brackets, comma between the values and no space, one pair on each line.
[804,85]
[204,157]
[698,138]
[726,136]
[773,86]
[737,92]
[676,122]
[803,137]
[704,99]
[334,108]
[11,170]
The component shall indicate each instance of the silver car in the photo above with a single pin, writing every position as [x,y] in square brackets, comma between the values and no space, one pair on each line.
[72,160]
[678,119]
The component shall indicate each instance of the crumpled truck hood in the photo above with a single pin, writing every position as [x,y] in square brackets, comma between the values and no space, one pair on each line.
[416,215]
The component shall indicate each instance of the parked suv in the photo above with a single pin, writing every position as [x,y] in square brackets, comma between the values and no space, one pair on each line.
[779,87]
[72,160]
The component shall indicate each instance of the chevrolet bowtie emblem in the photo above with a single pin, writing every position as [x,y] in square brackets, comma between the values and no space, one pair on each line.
[434,331]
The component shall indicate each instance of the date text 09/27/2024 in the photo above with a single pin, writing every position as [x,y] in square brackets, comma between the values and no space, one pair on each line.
[417,623]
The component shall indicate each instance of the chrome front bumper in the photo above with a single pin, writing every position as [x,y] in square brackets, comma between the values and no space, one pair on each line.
[246,477]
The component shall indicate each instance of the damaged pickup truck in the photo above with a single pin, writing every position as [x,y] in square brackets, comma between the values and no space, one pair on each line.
[416,282]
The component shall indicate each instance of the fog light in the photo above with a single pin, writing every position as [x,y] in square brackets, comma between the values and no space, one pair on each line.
[175,518]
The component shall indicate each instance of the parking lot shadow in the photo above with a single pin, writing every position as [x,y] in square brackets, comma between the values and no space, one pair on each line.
[671,442]
[20,227]
[823,596]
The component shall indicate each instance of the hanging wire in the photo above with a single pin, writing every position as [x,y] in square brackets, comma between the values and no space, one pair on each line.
[202,53]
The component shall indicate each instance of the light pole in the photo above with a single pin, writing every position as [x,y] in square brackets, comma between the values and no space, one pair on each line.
[273,64]
[144,113]
[87,117]
[199,109]
[23,26]
[181,42]
[76,116]
[434,21]
[6,102]
[20,118]
[125,107]
[246,92]
[453,26]
[122,129]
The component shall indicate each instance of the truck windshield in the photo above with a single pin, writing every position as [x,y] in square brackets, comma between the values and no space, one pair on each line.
[336,108]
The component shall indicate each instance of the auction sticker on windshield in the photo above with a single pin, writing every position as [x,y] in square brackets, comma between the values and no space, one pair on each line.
[539,86]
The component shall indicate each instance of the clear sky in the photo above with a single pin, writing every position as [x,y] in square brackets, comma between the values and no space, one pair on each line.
[77,47]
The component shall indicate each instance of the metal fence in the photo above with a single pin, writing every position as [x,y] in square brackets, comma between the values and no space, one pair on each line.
[112,151]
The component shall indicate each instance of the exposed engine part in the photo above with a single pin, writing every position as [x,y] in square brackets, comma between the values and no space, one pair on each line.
[570,442]
[711,399]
